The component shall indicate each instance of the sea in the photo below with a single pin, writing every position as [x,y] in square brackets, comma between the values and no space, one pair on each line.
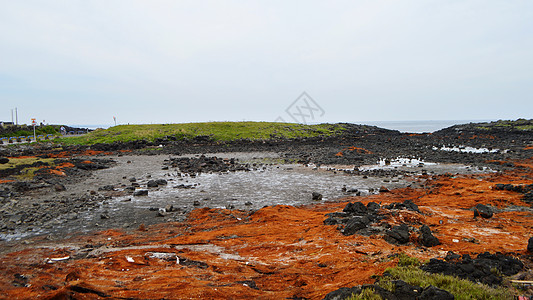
[419,126]
[402,126]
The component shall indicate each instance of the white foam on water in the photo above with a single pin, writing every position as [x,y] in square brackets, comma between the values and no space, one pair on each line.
[385,164]
[467,149]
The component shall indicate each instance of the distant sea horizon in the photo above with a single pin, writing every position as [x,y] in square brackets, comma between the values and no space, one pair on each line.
[420,126]
[402,126]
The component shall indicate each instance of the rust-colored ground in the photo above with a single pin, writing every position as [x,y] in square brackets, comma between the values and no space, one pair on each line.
[285,251]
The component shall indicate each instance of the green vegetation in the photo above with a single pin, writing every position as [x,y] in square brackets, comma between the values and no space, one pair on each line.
[23,130]
[27,165]
[366,294]
[519,124]
[408,271]
[219,131]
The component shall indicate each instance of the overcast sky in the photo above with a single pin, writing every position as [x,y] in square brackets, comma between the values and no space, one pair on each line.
[83,62]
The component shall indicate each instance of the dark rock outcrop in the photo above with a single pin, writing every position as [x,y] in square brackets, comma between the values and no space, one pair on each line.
[401,291]
[485,268]
[398,234]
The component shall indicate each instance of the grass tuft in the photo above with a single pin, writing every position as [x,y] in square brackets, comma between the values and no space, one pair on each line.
[366,294]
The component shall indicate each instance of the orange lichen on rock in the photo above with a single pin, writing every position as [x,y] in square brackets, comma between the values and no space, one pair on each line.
[5,180]
[59,169]
[67,154]
[274,253]
[57,172]
[482,136]
[357,149]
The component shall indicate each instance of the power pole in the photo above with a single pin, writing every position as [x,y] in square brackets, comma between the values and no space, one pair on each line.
[16,116]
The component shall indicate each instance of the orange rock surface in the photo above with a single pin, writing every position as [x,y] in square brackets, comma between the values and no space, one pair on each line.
[275,253]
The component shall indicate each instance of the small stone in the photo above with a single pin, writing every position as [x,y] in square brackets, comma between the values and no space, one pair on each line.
[104,216]
[4,160]
[59,187]
[152,184]
[140,193]
[196,203]
[161,182]
[161,212]
[383,189]
[248,203]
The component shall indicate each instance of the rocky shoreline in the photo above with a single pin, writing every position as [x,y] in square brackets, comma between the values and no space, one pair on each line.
[81,185]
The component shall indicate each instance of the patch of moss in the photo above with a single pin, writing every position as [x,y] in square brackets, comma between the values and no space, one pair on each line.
[26,166]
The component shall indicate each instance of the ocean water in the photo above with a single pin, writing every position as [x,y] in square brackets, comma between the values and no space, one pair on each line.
[90,126]
[419,126]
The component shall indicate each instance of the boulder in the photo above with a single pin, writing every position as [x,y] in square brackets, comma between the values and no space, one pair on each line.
[356,208]
[483,211]
[410,205]
[355,224]
[373,206]
[343,293]
[434,293]
[427,238]
[398,234]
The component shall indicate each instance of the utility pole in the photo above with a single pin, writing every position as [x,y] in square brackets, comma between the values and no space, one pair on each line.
[16,116]
[33,122]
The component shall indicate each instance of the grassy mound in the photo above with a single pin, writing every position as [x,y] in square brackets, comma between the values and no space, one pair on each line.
[220,131]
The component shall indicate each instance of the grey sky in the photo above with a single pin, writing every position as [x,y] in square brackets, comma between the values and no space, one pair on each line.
[83,62]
